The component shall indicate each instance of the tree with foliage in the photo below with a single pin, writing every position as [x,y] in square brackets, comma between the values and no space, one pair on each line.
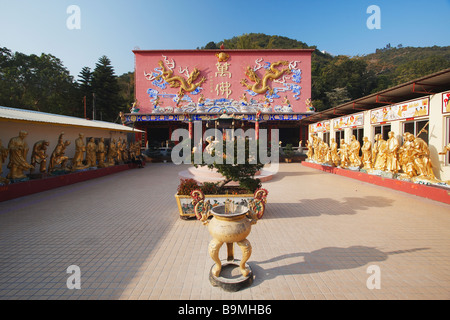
[126,89]
[85,88]
[105,88]
[39,83]
[337,79]
[233,169]
[7,83]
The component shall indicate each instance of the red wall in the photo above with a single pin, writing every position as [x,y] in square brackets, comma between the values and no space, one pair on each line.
[206,61]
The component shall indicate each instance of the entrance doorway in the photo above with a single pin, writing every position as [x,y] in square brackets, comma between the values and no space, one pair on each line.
[157,137]
[289,136]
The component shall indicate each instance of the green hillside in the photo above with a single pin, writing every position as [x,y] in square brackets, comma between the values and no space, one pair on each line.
[337,79]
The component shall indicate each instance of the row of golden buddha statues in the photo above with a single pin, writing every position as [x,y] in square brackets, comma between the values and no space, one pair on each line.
[91,155]
[410,161]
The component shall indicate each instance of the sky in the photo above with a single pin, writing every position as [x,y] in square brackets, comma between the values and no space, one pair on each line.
[115,28]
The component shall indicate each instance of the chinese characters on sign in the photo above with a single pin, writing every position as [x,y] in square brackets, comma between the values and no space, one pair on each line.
[410,109]
[179,77]
[223,88]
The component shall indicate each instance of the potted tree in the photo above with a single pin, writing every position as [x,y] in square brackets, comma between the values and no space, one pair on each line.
[244,186]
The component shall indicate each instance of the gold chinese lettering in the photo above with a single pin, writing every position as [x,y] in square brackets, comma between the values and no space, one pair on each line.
[224,88]
[222,70]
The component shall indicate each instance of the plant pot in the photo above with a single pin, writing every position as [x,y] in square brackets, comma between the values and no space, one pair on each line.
[186,206]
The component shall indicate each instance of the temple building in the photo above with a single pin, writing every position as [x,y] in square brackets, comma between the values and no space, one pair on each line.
[177,87]
[271,89]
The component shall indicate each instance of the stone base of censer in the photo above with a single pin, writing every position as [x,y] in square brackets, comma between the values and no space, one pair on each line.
[230,278]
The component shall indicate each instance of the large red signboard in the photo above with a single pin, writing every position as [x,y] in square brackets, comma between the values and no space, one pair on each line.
[180,81]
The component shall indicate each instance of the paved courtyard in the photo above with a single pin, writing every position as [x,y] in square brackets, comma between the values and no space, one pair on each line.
[323,236]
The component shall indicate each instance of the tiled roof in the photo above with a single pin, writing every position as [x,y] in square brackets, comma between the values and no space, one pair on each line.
[36,116]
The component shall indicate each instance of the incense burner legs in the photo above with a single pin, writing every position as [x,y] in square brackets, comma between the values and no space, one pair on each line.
[214,248]
[230,227]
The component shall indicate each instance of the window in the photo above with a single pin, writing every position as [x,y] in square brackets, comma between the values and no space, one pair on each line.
[418,128]
[359,134]
[384,130]
[326,137]
[338,136]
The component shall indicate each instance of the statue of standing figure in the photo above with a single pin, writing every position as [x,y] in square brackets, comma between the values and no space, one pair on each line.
[310,152]
[101,153]
[91,153]
[325,153]
[3,156]
[354,147]
[406,156]
[422,161]
[343,152]
[380,159]
[18,150]
[392,163]
[334,152]
[366,158]
[315,145]
[80,149]
[112,153]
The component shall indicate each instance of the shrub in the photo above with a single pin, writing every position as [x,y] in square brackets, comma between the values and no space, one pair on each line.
[209,188]
[288,151]
[243,173]
[250,184]
[186,186]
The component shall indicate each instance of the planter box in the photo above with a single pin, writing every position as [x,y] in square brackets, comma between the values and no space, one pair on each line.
[186,208]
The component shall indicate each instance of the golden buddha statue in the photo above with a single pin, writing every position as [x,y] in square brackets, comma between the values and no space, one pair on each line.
[310,152]
[393,145]
[3,157]
[381,153]
[343,152]
[58,156]
[18,150]
[422,161]
[366,158]
[91,153]
[354,147]
[334,152]
[101,153]
[39,156]
[80,149]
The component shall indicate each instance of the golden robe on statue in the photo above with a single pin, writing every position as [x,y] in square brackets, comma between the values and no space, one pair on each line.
[18,150]
[392,163]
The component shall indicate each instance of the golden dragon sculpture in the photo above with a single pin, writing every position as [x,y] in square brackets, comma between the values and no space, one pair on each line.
[186,85]
[262,86]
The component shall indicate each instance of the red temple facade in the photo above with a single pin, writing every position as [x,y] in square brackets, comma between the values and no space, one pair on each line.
[174,87]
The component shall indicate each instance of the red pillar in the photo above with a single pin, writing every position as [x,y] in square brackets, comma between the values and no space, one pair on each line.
[257,126]
[191,128]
